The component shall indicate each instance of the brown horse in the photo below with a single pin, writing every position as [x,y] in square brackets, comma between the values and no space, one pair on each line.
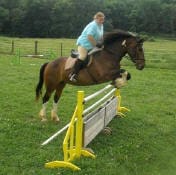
[105,66]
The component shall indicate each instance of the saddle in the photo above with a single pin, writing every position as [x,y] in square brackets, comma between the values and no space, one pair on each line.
[75,55]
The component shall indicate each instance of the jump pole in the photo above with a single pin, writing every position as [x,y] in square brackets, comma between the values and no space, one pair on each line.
[55,135]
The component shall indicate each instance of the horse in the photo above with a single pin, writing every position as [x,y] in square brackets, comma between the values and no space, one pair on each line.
[104,67]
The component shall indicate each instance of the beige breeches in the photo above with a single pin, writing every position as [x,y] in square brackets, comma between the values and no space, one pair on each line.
[82,53]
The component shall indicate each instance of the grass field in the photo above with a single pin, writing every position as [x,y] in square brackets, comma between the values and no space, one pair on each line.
[143,143]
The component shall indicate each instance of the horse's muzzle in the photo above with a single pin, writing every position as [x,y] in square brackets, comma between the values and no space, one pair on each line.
[140,66]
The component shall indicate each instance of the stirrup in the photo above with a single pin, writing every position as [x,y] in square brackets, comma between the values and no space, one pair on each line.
[74,53]
[73,78]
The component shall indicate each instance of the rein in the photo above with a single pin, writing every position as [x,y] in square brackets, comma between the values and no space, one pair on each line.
[110,51]
[116,54]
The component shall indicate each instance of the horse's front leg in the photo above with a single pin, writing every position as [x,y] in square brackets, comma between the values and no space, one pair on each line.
[121,78]
[57,95]
[54,115]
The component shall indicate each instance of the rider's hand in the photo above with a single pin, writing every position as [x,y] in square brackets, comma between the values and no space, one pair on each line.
[99,44]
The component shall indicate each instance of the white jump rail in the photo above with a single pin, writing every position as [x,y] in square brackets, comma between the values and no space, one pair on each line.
[86,99]
[55,135]
[98,102]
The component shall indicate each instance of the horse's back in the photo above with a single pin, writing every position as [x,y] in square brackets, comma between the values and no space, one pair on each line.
[55,70]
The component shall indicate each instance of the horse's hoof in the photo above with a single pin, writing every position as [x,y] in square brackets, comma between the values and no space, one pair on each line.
[43,120]
[54,117]
[42,115]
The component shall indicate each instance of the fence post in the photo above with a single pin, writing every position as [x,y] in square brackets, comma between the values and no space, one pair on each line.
[36,47]
[12,49]
[61,46]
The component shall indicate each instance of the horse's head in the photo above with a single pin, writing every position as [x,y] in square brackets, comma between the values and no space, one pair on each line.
[135,50]
[120,42]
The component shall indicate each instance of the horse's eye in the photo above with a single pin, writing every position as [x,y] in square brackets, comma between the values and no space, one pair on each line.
[139,46]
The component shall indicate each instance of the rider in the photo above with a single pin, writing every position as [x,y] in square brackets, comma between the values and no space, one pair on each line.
[90,38]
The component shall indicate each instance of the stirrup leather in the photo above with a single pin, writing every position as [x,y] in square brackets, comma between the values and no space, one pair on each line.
[73,78]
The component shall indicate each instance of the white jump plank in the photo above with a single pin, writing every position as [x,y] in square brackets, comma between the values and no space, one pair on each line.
[111,110]
[98,102]
[97,93]
[93,126]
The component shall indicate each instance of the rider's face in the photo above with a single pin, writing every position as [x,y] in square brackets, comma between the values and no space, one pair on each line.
[100,20]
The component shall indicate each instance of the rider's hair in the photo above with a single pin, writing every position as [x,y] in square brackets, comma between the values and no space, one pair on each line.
[99,14]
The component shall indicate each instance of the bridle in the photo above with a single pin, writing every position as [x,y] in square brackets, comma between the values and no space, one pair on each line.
[135,58]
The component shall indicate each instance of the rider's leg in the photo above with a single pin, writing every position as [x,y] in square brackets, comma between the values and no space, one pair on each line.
[79,62]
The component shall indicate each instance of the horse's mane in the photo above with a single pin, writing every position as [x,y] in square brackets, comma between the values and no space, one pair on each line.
[116,35]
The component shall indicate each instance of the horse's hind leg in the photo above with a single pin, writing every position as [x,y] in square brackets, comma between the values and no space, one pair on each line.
[42,113]
[57,95]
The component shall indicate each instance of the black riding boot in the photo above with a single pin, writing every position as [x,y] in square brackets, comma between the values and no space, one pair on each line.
[74,74]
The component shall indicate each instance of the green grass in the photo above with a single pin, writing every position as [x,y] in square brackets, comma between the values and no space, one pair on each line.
[143,143]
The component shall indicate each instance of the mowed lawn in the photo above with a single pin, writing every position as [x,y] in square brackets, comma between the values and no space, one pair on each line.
[142,143]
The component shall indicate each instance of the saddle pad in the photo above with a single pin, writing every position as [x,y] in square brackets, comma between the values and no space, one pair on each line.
[70,63]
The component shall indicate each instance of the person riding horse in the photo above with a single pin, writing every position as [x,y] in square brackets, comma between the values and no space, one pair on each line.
[90,38]
[104,67]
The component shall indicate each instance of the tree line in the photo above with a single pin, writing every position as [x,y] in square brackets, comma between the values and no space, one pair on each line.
[67,18]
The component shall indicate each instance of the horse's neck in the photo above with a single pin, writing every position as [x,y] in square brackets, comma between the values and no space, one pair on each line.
[120,50]
[116,51]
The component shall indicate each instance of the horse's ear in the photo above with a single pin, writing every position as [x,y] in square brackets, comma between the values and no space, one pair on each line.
[141,40]
[124,43]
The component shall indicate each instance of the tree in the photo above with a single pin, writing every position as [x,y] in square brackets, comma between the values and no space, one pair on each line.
[37,18]
[4,16]
[168,19]
[149,16]
[67,18]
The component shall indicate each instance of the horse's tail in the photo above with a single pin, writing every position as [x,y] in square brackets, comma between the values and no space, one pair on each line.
[40,83]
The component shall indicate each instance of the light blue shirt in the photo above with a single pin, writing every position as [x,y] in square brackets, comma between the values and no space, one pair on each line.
[92,29]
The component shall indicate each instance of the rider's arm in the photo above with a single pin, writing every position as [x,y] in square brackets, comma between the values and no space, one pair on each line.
[92,40]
